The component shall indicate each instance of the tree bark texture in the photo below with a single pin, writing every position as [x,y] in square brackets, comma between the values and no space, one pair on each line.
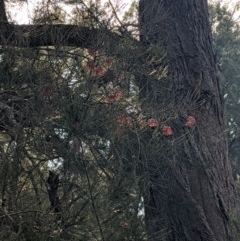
[192,198]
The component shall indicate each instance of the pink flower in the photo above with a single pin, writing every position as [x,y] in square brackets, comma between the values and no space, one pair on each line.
[124,224]
[167,131]
[152,123]
[117,95]
[190,122]
[125,121]
[107,99]
[113,97]
[100,71]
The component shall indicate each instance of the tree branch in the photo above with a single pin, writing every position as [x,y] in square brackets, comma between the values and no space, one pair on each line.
[56,35]
[33,36]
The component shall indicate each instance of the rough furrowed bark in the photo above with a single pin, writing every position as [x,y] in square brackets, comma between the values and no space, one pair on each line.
[192,197]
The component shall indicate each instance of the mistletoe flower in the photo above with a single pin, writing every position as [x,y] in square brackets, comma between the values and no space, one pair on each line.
[167,131]
[124,225]
[125,121]
[100,71]
[190,122]
[152,123]
[116,96]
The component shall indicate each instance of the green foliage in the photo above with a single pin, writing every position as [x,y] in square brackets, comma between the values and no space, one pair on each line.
[75,112]
[226,41]
[80,113]
[226,36]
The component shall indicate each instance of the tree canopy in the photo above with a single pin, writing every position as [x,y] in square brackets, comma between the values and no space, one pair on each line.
[112,129]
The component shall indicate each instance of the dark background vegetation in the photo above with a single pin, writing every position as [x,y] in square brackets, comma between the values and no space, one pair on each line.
[79,129]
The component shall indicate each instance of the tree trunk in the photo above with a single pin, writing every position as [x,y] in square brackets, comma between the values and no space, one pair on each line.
[191,196]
